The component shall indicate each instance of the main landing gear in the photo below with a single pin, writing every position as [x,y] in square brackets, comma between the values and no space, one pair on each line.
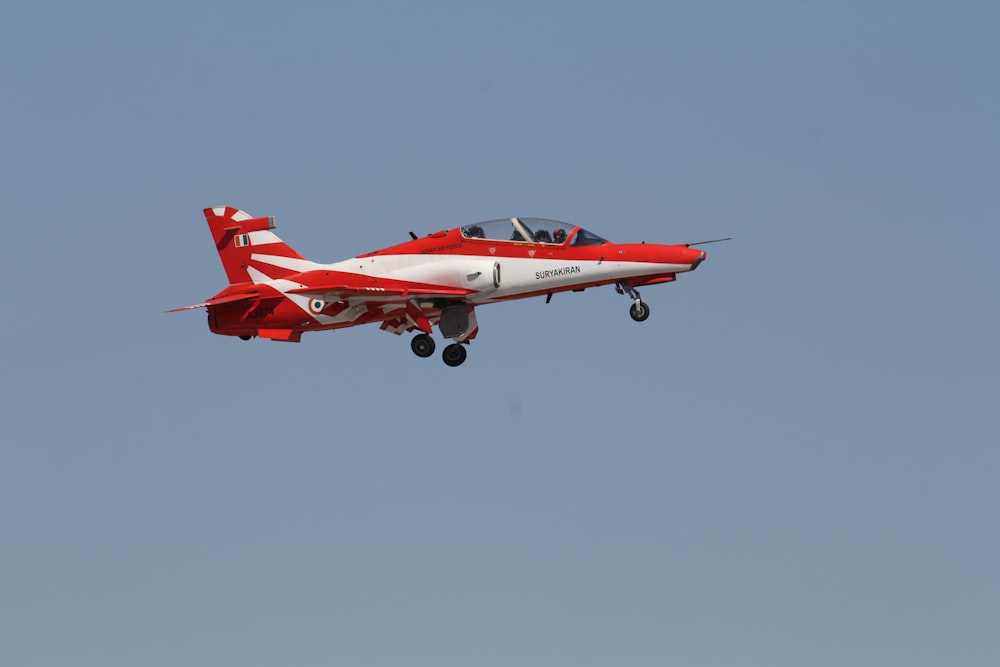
[454,354]
[423,346]
[640,309]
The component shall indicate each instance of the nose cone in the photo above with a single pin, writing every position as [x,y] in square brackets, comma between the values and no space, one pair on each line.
[663,254]
[697,257]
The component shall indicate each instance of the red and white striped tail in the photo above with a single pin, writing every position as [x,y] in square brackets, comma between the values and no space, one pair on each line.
[249,250]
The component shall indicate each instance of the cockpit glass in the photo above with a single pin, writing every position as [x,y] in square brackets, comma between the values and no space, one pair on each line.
[530,230]
[546,231]
[583,237]
[498,230]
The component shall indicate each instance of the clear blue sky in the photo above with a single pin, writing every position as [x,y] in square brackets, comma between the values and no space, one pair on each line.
[793,462]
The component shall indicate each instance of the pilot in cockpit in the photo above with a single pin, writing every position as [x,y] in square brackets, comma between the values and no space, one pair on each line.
[559,235]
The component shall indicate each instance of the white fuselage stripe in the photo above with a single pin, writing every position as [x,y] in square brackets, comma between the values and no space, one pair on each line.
[517,275]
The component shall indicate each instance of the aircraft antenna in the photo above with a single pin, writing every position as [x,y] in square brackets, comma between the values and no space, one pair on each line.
[730,238]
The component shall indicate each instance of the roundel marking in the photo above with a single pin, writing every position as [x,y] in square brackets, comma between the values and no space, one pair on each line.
[316,306]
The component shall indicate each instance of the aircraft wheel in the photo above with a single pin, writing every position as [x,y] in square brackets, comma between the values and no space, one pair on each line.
[245,337]
[639,311]
[454,354]
[422,345]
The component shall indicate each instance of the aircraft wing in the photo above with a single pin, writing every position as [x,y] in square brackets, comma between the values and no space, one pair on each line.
[341,292]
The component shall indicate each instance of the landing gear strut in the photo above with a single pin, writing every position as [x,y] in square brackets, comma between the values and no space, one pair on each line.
[422,345]
[454,354]
[640,309]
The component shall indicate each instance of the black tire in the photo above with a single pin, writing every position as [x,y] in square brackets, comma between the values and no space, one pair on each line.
[454,354]
[245,337]
[422,345]
[639,311]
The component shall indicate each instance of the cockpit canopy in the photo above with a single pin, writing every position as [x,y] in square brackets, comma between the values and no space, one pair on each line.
[532,230]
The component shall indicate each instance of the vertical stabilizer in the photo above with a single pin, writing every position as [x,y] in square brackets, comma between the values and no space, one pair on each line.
[250,251]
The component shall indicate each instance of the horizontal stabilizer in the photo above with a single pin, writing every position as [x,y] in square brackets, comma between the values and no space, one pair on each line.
[218,300]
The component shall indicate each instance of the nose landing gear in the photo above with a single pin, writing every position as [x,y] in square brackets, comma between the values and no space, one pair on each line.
[640,309]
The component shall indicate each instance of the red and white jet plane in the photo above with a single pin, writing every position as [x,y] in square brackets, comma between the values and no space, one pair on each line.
[276,293]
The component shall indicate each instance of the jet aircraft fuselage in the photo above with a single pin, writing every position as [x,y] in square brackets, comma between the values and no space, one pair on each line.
[437,280]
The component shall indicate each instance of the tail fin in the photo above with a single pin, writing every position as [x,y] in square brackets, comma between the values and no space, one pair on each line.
[249,250]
